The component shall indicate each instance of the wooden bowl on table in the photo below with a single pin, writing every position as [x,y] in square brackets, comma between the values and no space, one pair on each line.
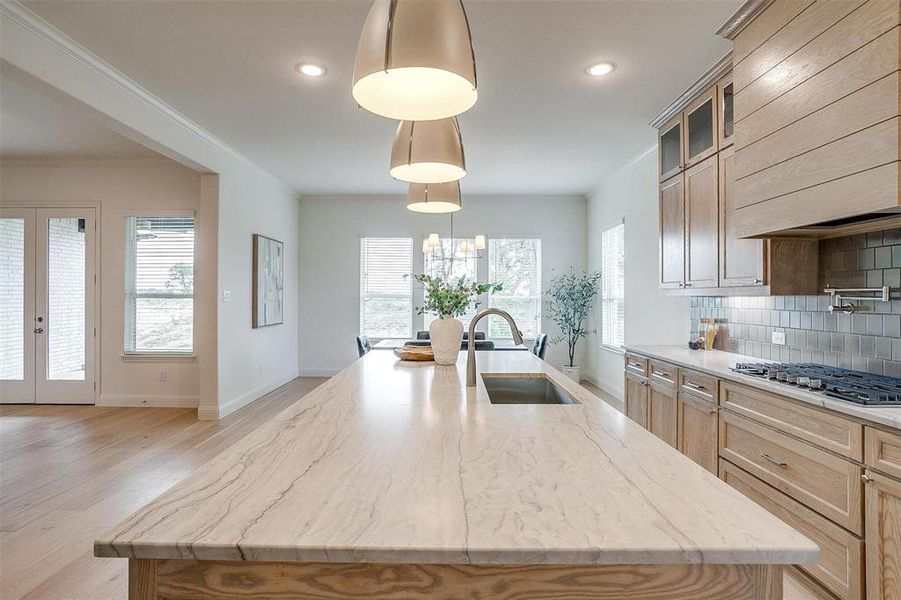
[415,353]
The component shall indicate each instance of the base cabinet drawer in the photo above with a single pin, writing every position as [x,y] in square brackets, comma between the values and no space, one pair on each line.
[826,483]
[841,566]
[698,431]
[826,430]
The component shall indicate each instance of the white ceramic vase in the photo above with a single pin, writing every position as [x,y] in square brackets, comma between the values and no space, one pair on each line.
[573,373]
[446,334]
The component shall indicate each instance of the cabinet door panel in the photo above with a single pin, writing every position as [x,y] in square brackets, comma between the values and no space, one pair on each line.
[700,122]
[672,233]
[670,148]
[636,403]
[702,224]
[663,413]
[697,431]
[741,261]
[883,537]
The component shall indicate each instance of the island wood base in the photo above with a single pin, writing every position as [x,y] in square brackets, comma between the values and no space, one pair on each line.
[196,580]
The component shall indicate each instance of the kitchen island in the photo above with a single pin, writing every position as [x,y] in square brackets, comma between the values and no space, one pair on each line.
[395,480]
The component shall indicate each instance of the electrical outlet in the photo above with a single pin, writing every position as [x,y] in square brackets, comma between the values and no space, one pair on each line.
[163,376]
[779,338]
[226,295]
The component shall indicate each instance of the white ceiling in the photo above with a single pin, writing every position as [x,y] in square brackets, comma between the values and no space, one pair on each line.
[540,127]
[35,125]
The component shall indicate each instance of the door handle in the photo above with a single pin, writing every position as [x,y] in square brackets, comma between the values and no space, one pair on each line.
[39,330]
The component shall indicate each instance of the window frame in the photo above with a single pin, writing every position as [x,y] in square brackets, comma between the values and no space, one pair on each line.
[129,297]
[621,222]
[413,287]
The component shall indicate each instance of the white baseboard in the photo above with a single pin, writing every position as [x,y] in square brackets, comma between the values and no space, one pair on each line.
[160,401]
[319,372]
[212,413]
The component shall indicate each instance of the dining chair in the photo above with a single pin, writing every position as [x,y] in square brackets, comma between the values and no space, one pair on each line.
[364,344]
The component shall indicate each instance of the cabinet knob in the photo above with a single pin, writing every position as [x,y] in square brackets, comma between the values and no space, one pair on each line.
[758,281]
[866,478]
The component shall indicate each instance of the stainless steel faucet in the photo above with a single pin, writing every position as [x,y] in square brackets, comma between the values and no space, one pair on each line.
[471,343]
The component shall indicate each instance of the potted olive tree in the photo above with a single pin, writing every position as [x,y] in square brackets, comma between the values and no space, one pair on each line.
[569,301]
[448,299]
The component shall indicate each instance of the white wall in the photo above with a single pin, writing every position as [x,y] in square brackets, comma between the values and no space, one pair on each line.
[120,187]
[330,232]
[630,193]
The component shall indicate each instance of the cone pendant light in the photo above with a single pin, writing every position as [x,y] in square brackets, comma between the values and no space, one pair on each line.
[428,152]
[415,60]
[434,197]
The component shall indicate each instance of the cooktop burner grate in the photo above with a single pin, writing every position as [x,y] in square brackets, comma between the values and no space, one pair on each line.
[852,386]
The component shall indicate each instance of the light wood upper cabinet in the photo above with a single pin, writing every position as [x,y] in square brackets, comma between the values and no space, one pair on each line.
[883,537]
[636,401]
[702,224]
[697,431]
[672,233]
[663,413]
[741,261]
[700,122]
[670,148]
[725,114]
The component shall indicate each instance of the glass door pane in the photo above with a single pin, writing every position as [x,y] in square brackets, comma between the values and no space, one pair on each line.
[700,129]
[65,326]
[12,299]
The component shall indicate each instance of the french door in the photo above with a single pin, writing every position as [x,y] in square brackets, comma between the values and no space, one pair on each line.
[47,293]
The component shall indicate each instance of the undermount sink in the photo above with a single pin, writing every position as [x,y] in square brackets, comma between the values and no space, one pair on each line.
[525,390]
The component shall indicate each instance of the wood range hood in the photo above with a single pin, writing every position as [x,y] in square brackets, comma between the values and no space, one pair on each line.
[817,117]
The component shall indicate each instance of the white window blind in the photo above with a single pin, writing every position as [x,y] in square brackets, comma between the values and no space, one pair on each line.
[447,260]
[612,283]
[386,287]
[515,263]
[159,284]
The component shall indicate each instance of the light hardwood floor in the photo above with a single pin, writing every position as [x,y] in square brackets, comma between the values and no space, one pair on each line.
[68,473]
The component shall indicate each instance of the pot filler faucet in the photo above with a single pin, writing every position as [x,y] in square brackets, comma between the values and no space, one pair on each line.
[471,345]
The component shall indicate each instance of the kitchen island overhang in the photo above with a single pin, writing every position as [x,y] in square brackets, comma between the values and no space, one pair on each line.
[395,480]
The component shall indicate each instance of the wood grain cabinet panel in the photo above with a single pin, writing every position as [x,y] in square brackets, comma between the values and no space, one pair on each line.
[636,399]
[742,261]
[841,565]
[663,373]
[821,428]
[702,224]
[697,430]
[883,537]
[826,483]
[672,233]
[758,31]
[725,111]
[883,451]
[663,413]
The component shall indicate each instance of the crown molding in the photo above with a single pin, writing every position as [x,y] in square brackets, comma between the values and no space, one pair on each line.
[744,15]
[713,74]
[38,26]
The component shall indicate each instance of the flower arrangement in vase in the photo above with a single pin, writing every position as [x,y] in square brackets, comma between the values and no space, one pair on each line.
[448,299]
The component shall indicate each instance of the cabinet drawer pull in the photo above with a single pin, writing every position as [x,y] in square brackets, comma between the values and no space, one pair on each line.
[661,374]
[635,364]
[866,478]
[693,386]
[775,461]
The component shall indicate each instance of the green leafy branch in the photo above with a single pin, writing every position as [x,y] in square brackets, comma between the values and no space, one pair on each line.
[451,297]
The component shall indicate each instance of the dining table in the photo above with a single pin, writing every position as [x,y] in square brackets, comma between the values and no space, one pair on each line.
[499,344]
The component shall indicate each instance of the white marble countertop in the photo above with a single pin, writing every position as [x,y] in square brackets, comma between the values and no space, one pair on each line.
[392,462]
[719,364]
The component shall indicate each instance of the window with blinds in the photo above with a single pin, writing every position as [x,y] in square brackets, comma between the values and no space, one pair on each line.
[159,284]
[386,287]
[449,260]
[612,284]
[515,263]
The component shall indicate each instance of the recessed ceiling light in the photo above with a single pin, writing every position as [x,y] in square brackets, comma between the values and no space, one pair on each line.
[311,70]
[601,69]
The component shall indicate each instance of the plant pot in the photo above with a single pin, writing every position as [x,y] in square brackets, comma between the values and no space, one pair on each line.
[573,373]
[446,334]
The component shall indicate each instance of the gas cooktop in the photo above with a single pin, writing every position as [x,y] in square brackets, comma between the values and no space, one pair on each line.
[852,386]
